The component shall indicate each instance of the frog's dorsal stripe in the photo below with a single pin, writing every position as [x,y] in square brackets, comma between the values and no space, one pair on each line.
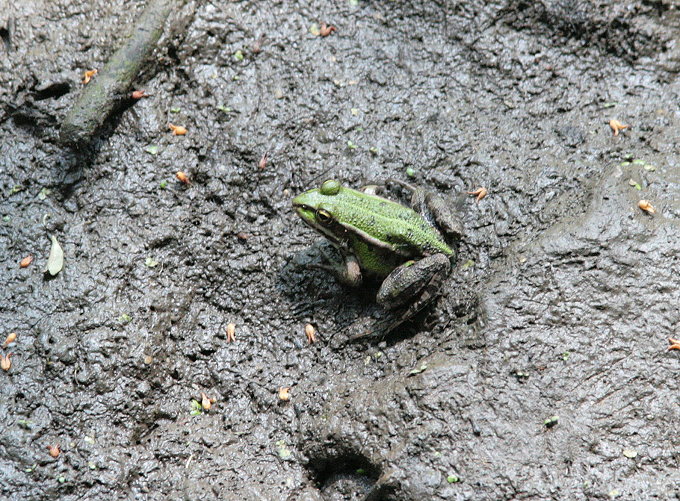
[387,225]
[386,243]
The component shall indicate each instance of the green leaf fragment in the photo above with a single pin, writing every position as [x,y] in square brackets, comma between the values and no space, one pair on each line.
[314,29]
[43,193]
[6,218]
[196,407]
[353,3]
[124,318]
[224,109]
[238,55]
[373,150]
[566,355]
[283,450]
[628,156]
[609,105]
[24,423]
[635,184]
[468,264]
[650,168]
[152,149]
[55,263]
[351,145]
[638,161]
[61,479]
[175,110]
[91,465]
[410,172]
[624,164]
[452,479]
[15,189]
[360,471]
[551,421]
[418,370]
[150,262]
[163,184]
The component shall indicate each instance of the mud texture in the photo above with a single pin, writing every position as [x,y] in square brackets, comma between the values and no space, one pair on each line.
[541,373]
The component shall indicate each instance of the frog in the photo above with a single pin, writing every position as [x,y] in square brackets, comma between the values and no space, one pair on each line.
[404,248]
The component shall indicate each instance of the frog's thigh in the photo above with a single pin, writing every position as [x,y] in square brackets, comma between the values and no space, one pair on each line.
[405,284]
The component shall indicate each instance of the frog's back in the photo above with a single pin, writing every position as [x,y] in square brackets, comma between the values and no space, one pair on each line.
[386,222]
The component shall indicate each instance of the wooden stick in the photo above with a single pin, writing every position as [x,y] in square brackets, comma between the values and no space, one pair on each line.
[112,84]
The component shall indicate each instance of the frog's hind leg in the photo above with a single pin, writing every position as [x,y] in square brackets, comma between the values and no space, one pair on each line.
[414,283]
[436,210]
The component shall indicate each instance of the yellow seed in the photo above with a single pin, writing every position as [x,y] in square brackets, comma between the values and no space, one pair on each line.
[5,362]
[87,76]
[617,126]
[646,206]
[206,402]
[231,331]
[479,193]
[177,130]
[182,177]
[11,337]
[284,393]
[310,333]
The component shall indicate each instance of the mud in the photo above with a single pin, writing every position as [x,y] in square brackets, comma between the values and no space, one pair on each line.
[560,304]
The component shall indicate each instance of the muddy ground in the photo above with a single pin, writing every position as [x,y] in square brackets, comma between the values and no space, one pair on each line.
[561,302]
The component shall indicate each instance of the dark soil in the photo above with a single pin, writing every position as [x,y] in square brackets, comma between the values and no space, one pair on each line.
[560,304]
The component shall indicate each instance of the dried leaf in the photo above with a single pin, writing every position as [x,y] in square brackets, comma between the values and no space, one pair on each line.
[55,263]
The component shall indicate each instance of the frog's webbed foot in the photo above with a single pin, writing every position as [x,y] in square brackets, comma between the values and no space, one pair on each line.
[348,272]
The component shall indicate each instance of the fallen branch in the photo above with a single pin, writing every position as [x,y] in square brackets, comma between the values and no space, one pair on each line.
[112,84]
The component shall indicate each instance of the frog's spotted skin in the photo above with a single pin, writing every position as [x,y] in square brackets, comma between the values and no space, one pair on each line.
[381,234]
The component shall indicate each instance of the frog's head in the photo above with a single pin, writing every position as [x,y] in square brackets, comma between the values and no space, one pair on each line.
[317,208]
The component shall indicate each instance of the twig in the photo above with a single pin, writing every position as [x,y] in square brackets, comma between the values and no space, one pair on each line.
[103,94]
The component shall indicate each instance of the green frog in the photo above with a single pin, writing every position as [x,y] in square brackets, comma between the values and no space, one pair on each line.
[384,240]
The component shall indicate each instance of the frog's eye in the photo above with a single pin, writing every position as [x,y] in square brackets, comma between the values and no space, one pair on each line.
[324,217]
[330,187]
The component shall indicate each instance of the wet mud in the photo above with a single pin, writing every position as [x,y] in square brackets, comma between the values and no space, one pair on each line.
[542,371]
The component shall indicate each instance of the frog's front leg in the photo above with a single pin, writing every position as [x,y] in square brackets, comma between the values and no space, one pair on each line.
[415,283]
[348,272]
